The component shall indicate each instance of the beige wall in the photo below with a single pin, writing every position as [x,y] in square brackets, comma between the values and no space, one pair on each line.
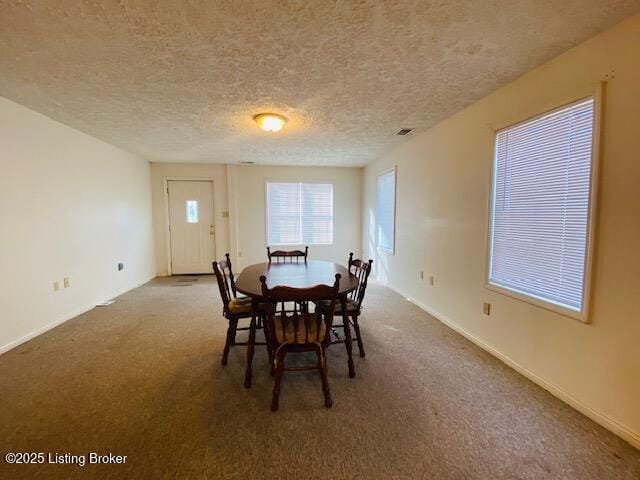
[249,184]
[70,206]
[162,171]
[442,208]
[240,190]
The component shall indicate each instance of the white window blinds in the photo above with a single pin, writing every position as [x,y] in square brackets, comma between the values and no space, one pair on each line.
[540,211]
[386,210]
[299,213]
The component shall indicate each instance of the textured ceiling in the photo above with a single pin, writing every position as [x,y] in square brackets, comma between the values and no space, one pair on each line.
[181,80]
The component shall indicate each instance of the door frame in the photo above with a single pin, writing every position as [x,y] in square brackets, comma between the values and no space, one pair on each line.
[167,217]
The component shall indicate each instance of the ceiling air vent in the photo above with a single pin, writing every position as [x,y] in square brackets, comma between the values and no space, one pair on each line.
[247,163]
[404,131]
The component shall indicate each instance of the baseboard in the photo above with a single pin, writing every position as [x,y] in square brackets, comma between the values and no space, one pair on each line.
[607,422]
[41,330]
[11,345]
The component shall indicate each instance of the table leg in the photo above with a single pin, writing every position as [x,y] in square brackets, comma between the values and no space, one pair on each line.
[347,335]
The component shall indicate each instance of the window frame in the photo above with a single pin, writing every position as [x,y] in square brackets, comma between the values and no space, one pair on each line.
[392,250]
[583,314]
[267,181]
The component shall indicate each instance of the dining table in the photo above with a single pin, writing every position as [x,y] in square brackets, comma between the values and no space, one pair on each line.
[296,275]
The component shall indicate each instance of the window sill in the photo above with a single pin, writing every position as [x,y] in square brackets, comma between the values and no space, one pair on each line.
[299,245]
[580,316]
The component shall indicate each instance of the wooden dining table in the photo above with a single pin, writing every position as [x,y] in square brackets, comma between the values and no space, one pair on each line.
[296,275]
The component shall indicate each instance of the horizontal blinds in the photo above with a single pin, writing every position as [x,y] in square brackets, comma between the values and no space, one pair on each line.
[299,213]
[283,210]
[541,205]
[317,213]
[385,209]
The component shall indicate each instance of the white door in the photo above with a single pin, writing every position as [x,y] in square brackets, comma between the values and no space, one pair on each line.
[191,226]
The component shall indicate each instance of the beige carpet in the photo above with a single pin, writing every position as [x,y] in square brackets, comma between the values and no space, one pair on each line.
[143,378]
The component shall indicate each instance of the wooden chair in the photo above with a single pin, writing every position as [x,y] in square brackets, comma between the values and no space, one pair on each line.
[299,330]
[236,308]
[281,256]
[353,302]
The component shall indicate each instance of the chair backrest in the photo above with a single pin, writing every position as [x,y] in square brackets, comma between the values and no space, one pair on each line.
[232,279]
[281,256]
[301,298]
[361,270]
[226,282]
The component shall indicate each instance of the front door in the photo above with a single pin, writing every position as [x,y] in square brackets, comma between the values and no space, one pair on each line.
[191,226]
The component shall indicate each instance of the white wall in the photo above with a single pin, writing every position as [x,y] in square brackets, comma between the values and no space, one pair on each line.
[240,190]
[249,215]
[442,209]
[70,206]
[215,172]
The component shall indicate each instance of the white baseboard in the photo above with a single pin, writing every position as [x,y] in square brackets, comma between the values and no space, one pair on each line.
[607,422]
[19,341]
[41,330]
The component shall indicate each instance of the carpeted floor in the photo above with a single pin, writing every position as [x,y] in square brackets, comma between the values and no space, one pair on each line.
[142,378]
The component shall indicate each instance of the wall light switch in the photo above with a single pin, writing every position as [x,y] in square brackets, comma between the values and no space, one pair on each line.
[421,275]
[225,214]
[56,286]
[120,266]
[432,280]
[66,282]
[486,308]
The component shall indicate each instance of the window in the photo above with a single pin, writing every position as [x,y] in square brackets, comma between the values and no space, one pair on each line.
[299,213]
[386,210]
[541,204]
[192,211]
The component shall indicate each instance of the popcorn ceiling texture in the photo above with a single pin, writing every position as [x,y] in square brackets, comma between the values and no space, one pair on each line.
[181,80]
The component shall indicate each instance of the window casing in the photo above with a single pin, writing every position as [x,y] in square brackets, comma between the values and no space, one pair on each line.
[542,208]
[299,213]
[386,210]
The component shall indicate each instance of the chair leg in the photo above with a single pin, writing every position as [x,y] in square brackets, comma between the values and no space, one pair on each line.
[356,327]
[231,334]
[250,348]
[347,338]
[267,339]
[234,333]
[322,366]
[278,381]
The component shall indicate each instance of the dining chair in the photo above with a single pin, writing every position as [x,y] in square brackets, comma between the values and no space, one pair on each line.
[361,270]
[299,330]
[281,256]
[234,309]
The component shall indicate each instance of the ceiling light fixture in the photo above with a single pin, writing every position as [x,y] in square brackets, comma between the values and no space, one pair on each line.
[270,122]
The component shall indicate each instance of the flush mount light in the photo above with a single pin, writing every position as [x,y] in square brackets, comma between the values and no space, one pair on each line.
[270,122]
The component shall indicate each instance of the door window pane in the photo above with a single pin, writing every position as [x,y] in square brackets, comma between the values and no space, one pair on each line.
[192,211]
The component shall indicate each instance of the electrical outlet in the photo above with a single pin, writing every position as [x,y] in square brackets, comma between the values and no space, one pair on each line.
[421,275]
[486,308]
[432,281]
[66,282]
[56,286]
